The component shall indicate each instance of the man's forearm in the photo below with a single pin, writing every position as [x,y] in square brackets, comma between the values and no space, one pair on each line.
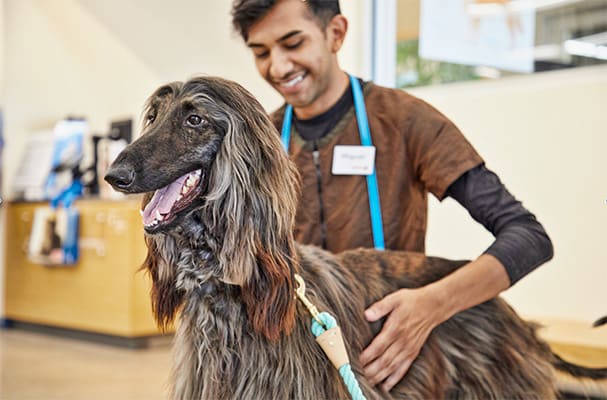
[472,284]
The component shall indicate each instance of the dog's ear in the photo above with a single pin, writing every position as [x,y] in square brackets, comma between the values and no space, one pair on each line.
[166,299]
[269,295]
[251,209]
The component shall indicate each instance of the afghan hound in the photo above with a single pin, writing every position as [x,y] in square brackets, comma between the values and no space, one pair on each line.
[218,216]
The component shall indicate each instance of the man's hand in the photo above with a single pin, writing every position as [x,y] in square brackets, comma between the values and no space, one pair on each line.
[412,314]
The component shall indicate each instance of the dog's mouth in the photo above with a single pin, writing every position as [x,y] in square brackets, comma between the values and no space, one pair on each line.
[168,201]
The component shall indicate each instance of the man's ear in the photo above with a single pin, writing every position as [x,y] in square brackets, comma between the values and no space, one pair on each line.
[336,31]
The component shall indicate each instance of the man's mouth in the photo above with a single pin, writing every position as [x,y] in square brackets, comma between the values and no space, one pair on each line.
[292,83]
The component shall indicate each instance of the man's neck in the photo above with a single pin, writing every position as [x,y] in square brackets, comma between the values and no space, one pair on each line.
[321,125]
[328,100]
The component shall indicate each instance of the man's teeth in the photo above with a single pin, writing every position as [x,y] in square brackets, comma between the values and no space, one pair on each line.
[293,81]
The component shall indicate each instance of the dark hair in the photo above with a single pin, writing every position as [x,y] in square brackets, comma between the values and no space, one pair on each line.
[245,13]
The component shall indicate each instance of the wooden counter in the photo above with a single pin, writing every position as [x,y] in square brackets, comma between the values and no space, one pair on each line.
[103,293]
[576,341]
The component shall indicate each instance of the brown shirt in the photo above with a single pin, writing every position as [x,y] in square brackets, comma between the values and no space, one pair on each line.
[418,150]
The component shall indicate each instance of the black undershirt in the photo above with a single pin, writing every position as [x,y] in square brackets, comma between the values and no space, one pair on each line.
[317,127]
[521,243]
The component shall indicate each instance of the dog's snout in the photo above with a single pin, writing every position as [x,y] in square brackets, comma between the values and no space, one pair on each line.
[120,178]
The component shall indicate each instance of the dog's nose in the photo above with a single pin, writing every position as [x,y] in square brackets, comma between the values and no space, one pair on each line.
[120,178]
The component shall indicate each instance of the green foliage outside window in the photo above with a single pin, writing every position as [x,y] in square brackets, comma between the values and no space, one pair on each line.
[411,70]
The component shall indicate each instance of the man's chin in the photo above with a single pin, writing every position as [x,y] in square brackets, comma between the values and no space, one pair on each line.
[296,100]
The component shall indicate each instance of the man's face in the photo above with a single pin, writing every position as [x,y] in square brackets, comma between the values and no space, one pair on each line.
[294,55]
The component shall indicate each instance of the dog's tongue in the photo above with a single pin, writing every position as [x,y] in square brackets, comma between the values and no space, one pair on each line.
[163,200]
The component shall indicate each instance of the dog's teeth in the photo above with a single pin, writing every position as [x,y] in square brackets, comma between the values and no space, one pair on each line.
[159,216]
[141,212]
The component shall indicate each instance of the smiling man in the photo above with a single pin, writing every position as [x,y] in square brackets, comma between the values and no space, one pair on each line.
[413,150]
[300,63]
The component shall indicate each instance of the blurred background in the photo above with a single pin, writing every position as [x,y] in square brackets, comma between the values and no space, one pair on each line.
[525,80]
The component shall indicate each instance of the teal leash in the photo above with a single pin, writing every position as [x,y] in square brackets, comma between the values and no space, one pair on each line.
[329,337]
[345,370]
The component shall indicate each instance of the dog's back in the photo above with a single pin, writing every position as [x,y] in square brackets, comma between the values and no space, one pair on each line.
[485,352]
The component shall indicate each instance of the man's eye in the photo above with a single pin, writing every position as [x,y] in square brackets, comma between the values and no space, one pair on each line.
[261,54]
[295,45]
[195,121]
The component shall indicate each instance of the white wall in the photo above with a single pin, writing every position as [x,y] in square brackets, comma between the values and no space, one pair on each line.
[355,55]
[546,136]
[61,61]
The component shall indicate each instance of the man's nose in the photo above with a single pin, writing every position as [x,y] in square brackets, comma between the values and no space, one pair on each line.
[280,64]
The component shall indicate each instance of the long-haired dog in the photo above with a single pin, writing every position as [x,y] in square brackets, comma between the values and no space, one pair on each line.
[218,221]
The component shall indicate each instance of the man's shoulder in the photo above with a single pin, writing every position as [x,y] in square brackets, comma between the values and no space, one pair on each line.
[388,98]
[398,106]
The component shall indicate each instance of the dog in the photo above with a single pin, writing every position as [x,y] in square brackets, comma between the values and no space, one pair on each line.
[218,214]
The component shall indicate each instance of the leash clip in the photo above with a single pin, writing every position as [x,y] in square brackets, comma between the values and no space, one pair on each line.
[301,293]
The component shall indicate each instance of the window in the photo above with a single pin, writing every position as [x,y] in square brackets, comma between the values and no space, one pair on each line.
[440,41]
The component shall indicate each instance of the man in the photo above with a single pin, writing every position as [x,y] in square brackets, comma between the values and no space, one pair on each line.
[418,150]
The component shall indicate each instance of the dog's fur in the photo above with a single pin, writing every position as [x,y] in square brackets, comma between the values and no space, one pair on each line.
[226,262]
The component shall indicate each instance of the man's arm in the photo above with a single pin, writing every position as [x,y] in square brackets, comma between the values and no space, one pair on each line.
[521,245]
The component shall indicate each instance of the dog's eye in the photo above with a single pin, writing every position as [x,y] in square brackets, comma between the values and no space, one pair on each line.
[195,121]
[151,117]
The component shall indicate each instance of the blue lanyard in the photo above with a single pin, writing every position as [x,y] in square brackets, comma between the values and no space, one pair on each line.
[365,139]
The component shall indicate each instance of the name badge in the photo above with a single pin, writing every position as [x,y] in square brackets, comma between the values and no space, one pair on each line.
[353,160]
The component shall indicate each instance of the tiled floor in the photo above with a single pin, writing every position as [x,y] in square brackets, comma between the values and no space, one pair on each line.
[41,367]
[36,366]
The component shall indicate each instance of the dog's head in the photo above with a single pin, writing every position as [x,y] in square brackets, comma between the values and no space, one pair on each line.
[184,126]
[214,171]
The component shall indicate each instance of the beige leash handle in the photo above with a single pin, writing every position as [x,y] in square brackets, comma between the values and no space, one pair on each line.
[332,343]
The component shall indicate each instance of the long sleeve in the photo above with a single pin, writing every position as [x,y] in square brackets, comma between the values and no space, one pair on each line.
[521,243]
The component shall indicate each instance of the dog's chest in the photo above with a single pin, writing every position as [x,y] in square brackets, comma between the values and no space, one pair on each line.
[237,362]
